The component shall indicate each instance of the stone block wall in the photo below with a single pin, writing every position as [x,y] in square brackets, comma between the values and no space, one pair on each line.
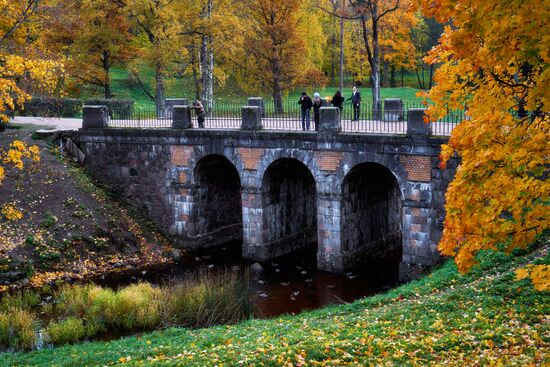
[159,171]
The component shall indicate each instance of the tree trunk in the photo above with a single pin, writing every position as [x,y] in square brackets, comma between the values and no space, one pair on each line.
[207,62]
[193,62]
[376,102]
[402,76]
[277,90]
[386,74]
[333,60]
[105,60]
[159,94]
[342,47]
[420,84]
[392,78]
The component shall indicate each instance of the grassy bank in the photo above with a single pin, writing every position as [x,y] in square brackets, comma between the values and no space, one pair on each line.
[124,88]
[81,312]
[485,317]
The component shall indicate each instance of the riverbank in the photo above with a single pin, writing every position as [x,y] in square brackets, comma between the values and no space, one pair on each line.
[70,228]
[485,317]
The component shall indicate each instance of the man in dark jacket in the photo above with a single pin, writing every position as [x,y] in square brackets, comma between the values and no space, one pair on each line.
[356,102]
[306,103]
[337,100]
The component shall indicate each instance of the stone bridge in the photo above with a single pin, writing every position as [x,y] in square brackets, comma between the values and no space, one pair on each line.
[356,196]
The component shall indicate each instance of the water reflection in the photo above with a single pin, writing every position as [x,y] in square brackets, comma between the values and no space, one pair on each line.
[287,285]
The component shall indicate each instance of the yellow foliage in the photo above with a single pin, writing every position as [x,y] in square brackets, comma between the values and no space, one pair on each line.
[539,274]
[15,154]
[10,212]
[493,64]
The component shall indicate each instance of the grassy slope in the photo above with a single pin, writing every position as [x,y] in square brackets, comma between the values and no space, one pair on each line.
[482,318]
[123,88]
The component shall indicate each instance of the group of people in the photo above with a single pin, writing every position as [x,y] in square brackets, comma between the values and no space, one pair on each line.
[316,103]
[306,104]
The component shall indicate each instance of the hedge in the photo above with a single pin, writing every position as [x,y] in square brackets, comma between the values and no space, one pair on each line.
[69,107]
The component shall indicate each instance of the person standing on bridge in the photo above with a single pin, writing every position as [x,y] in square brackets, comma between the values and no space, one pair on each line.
[306,103]
[200,112]
[317,104]
[356,102]
[337,100]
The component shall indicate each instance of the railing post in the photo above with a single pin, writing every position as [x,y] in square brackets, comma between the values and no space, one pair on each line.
[170,103]
[393,109]
[95,117]
[181,117]
[257,101]
[329,120]
[252,118]
[415,123]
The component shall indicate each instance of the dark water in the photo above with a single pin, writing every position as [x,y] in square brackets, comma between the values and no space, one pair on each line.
[287,285]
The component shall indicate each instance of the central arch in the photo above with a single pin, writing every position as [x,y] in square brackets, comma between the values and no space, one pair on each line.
[217,208]
[289,207]
[372,219]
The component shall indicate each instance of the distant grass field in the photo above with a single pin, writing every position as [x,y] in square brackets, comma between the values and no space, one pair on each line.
[125,88]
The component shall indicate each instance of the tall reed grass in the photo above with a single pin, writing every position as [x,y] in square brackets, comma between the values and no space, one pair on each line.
[78,312]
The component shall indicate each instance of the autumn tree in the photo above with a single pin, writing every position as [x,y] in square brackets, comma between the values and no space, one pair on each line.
[157,43]
[24,68]
[275,56]
[371,14]
[425,36]
[396,46]
[101,39]
[210,35]
[494,64]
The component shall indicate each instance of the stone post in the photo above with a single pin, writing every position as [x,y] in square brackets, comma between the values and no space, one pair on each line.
[329,120]
[415,123]
[181,117]
[95,117]
[257,101]
[170,103]
[393,109]
[252,118]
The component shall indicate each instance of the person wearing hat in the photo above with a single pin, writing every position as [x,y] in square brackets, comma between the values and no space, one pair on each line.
[317,104]
[306,103]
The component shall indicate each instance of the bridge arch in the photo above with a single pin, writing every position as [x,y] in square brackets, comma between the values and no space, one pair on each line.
[302,156]
[217,207]
[371,214]
[289,206]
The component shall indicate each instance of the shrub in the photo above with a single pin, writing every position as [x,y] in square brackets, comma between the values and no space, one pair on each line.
[120,108]
[18,329]
[23,300]
[67,331]
[52,107]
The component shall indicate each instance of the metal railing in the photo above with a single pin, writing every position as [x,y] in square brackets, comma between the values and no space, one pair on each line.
[288,117]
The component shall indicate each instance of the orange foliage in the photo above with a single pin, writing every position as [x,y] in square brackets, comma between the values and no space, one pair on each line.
[494,64]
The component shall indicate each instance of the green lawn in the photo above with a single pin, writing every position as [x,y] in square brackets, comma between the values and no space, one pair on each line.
[483,318]
[124,88]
